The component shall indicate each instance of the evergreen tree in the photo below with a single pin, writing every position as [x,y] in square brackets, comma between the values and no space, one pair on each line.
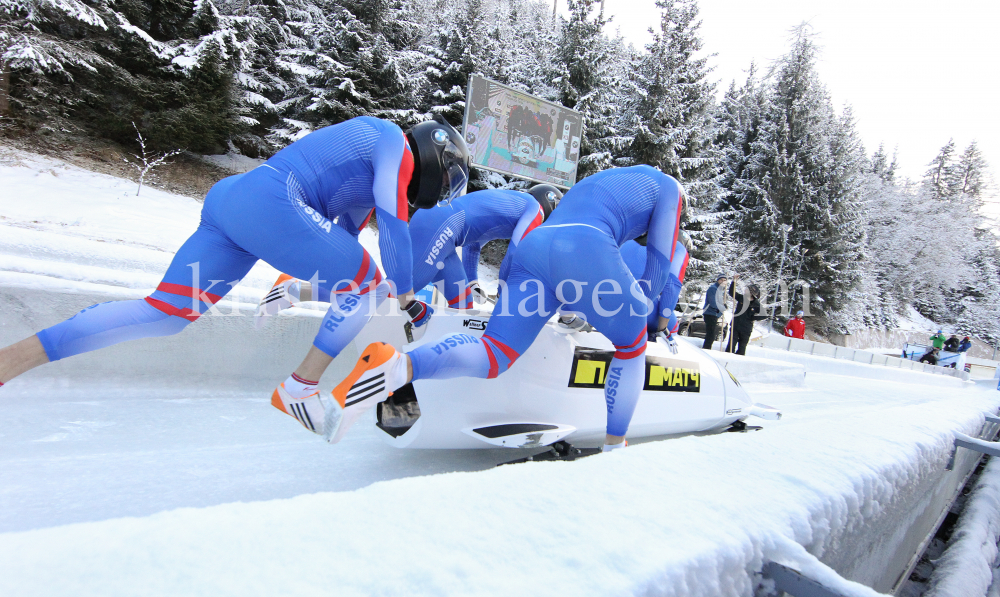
[882,167]
[801,172]
[969,175]
[673,119]
[674,126]
[585,63]
[937,177]
[455,56]
[47,45]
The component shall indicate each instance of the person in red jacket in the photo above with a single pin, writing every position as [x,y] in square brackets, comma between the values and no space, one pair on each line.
[796,328]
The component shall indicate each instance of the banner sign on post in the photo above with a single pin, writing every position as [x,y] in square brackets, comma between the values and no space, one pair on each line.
[511,132]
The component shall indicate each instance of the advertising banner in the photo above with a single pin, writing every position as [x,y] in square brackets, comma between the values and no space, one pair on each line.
[511,132]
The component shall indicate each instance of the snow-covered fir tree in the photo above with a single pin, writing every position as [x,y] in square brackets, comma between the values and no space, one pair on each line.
[45,46]
[800,172]
[673,119]
[674,126]
[587,62]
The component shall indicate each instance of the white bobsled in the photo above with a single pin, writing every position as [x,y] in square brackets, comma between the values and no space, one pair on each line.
[554,392]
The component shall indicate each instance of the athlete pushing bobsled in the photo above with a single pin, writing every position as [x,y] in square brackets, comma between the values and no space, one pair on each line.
[571,263]
[283,212]
[435,234]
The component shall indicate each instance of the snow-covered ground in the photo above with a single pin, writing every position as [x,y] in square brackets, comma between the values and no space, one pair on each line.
[116,483]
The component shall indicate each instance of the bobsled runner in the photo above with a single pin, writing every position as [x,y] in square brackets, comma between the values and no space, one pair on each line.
[555,393]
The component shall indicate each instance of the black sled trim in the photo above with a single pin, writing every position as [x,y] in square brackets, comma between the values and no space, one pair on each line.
[496,431]
[402,396]
[559,451]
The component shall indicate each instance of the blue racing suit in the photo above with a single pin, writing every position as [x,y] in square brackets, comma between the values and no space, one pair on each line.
[634,256]
[301,212]
[468,222]
[572,263]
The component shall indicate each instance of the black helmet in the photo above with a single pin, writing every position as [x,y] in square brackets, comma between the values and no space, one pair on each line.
[441,161]
[754,290]
[547,196]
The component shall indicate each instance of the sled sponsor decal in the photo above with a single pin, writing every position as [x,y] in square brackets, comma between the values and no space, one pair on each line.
[474,324]
[590,368]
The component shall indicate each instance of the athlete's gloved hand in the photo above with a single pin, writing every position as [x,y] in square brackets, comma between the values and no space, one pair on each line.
[670,340]
[479,295]
[419,313]
[573,323]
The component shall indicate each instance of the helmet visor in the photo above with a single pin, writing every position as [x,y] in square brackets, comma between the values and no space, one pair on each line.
[456,173]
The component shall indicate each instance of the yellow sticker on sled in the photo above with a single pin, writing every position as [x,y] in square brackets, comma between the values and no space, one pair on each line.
[590,367]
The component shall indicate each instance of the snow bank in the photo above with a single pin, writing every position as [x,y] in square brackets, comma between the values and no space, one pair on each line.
[966,567]
[846,479]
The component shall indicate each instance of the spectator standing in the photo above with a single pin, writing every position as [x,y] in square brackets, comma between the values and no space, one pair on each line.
[747,312]
[796,327]
[937,340]
[951,345]
[714,305]
[965,344]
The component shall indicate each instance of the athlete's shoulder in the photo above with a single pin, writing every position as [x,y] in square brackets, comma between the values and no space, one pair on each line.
[647,171]
[492,196]
[383,126]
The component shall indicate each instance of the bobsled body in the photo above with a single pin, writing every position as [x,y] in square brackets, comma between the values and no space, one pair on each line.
[555,391]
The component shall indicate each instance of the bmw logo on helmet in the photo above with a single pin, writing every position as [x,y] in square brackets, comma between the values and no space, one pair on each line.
[547,196]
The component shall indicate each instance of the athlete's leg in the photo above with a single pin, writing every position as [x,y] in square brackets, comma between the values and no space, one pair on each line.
[456,286]
[201,273]
[302,243]
[20,357]
[610,300]
[381,369]
[190,286]
[507,335]
[295,239]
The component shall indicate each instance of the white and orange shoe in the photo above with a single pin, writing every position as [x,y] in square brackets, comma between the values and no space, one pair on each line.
[380,370]
[283,294]
[310,411]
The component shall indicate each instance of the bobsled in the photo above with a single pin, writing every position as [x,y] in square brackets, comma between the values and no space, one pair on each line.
[555,393]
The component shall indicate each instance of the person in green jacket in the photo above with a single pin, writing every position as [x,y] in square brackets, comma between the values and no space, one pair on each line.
[937,340]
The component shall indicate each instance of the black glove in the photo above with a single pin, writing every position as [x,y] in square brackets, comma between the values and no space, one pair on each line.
[419,313]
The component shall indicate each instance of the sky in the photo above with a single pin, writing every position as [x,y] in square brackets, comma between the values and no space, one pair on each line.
[915,73]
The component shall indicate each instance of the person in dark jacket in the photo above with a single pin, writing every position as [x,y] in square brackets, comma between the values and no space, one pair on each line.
[930,357]
[747,312]
[951,344]
[965,345]
[714,305]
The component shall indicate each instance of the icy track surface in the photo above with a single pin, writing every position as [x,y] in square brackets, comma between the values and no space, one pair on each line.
[126,489]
